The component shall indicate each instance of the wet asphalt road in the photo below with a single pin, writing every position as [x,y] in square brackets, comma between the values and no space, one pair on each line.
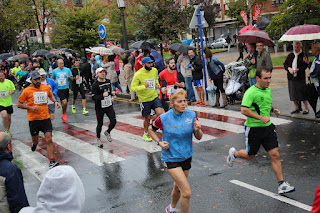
[140,184]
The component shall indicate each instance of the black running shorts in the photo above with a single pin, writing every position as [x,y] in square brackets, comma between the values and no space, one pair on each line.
[40,125]
[185,165]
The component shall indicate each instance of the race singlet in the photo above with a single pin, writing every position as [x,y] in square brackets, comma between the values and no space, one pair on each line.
[4,94]
[40,98]
[62,82]
[79,80]
[106,102]
[151,82]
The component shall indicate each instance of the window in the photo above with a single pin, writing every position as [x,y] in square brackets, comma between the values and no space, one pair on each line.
[277,3]
[33,33]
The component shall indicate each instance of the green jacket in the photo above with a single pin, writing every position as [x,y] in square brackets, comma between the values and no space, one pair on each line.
[137,84]
[252,70]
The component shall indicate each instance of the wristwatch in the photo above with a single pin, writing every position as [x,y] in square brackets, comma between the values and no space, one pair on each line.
[158,142]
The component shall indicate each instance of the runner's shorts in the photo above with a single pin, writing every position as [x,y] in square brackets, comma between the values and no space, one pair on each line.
[256,136]
[52,108]
[78,89]
[40,125]
[185,165]
[63,94]
[147,106]
[9,109]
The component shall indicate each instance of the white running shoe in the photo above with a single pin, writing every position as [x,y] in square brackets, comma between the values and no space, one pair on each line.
[285,187]
[100,144]
[231,158]
[107,134]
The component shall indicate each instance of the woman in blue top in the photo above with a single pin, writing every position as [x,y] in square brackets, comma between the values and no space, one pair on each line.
[177,125]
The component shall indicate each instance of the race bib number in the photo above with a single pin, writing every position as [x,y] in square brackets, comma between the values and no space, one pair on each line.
[40,98]
[170,89]
[151,82]
[79,80]
[62,82]
[106,102]
[4,94]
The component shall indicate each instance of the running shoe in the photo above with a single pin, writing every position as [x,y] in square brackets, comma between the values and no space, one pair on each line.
[33,147]
[231,158]
[8,132]
[117,91]
[203,104]
[74,109]
[146,137]
[52,164]
[168,210]
[285,187]
[100,144]
[107,134]
[85,112]
[64,118]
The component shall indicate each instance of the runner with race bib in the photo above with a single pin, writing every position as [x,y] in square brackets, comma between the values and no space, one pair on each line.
[102,96]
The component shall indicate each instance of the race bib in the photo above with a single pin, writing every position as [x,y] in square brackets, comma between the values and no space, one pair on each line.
[106,102]
[40,98]
[62,82]
[151,82]
[170,89]
[79,80]
[4,94]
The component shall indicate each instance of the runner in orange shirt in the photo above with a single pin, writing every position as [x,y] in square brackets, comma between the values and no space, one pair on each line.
[36,98]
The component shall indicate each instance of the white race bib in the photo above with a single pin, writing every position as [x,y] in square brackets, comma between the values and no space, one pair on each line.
[79,80]
[62,82]
[106,102]
[4,94]
[40,98]
[170,89]
[151,82]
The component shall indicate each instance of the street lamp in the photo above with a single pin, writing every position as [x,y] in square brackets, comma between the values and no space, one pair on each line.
[122,6]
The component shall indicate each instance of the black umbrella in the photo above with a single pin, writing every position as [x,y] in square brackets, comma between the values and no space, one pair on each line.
[41,52]
[5,56]
[145,45]
[263,23]
[52,55]
[312,96]
[180,47]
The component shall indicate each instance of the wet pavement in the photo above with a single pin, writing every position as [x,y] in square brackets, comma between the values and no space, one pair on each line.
[127,175]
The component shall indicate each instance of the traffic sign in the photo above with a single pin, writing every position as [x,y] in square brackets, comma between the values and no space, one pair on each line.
[194,24]
[102,31]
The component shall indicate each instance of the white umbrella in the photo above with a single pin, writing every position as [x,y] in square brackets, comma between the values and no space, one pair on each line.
[302,33]
[101,51]
[116,50]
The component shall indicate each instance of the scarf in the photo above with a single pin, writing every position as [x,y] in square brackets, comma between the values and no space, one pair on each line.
[295,61]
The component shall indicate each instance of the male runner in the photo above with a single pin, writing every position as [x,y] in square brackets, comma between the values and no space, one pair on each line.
[7,88]
[257,105]
[78,86]
[101,94]
[145,83]
[36,98]
[62,75]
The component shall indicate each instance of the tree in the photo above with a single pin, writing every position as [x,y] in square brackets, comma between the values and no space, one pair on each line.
[292,13]
[77,27]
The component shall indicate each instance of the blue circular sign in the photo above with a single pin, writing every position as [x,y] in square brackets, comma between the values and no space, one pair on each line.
[102,31]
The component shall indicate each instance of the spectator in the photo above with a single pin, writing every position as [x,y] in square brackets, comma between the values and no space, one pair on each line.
[250,63]
[263,57]
[187,74]
[240,47]
[128,75]
[61,190]
[138,58]
[12,194]
[94,66]
[86,70]
[228,39]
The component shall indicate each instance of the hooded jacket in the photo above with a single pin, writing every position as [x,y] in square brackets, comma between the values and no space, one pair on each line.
[60,191]
[12,194]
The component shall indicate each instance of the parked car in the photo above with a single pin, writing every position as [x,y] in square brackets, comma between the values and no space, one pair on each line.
[220,43]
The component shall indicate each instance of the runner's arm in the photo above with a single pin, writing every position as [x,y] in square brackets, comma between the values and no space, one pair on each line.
[135,84]
[95,93]
[249,113]
[24,106]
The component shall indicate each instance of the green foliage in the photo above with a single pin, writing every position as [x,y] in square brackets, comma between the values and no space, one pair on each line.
[77,28]
[175,41]
[34,45]
[293,13]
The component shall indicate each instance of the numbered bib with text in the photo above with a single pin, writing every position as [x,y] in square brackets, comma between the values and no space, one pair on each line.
[4,94]
[151,82]
[40,98]
[62,82]
[106,102]
[79,80]
[170,89]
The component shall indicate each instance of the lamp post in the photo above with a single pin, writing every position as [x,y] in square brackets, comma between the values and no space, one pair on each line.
[121,6]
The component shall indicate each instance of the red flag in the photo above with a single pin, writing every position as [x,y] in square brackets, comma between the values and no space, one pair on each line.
[256,11]
[244,16]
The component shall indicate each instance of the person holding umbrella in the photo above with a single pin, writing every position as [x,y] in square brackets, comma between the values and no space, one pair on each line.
[296,74]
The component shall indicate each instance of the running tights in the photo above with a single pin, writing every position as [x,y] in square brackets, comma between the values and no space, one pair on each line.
[100,114]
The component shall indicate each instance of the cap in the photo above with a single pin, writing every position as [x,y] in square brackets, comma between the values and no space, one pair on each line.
[29,69]
[146,60]
[99,70]
[35,75]
[42,72]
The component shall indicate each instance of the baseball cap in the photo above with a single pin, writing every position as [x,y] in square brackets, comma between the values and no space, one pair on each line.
[99,70]
[35,75]
[42,72]
[146,60]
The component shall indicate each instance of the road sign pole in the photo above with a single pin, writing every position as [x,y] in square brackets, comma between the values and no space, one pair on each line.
[105,42]
[203,59]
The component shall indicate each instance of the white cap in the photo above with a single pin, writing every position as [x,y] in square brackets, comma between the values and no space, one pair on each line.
[42,72]
[99,70]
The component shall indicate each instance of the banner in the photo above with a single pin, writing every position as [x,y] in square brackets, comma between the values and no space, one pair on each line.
[244,16]
[256,11]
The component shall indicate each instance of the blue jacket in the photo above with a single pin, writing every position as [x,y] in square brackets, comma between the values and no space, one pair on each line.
[12,181]
[316,71]
[177,130]
[54,87]
[215,69]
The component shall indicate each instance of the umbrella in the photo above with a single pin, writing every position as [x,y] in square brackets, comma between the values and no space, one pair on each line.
[5,56]
[312,95]
[158,59]
[212,90]
[142,45]
[101,51]
[55,51]
[20,57]
[263,23]
[180,47]
[254,37]
[116,50]
[41,52]
[52,55]
[302,33]
[248,28]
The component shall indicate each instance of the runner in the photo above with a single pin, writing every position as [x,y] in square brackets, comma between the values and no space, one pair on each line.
[7,88]
[54,89]
[36,98]
[145,83]
[62,75]
[257,105]
[177,125]
[78,86]
[102,95]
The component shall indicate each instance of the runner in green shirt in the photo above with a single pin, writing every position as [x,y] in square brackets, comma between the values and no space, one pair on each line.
[7,88]
[257,106]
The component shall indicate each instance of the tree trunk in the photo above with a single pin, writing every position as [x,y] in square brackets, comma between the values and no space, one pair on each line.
[161,49]
[42,37]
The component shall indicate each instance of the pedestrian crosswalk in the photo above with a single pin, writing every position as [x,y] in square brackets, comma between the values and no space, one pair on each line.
[78,141]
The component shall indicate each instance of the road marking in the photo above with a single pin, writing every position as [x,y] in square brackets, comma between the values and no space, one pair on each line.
[272,195]
[90,152]
[34,162]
